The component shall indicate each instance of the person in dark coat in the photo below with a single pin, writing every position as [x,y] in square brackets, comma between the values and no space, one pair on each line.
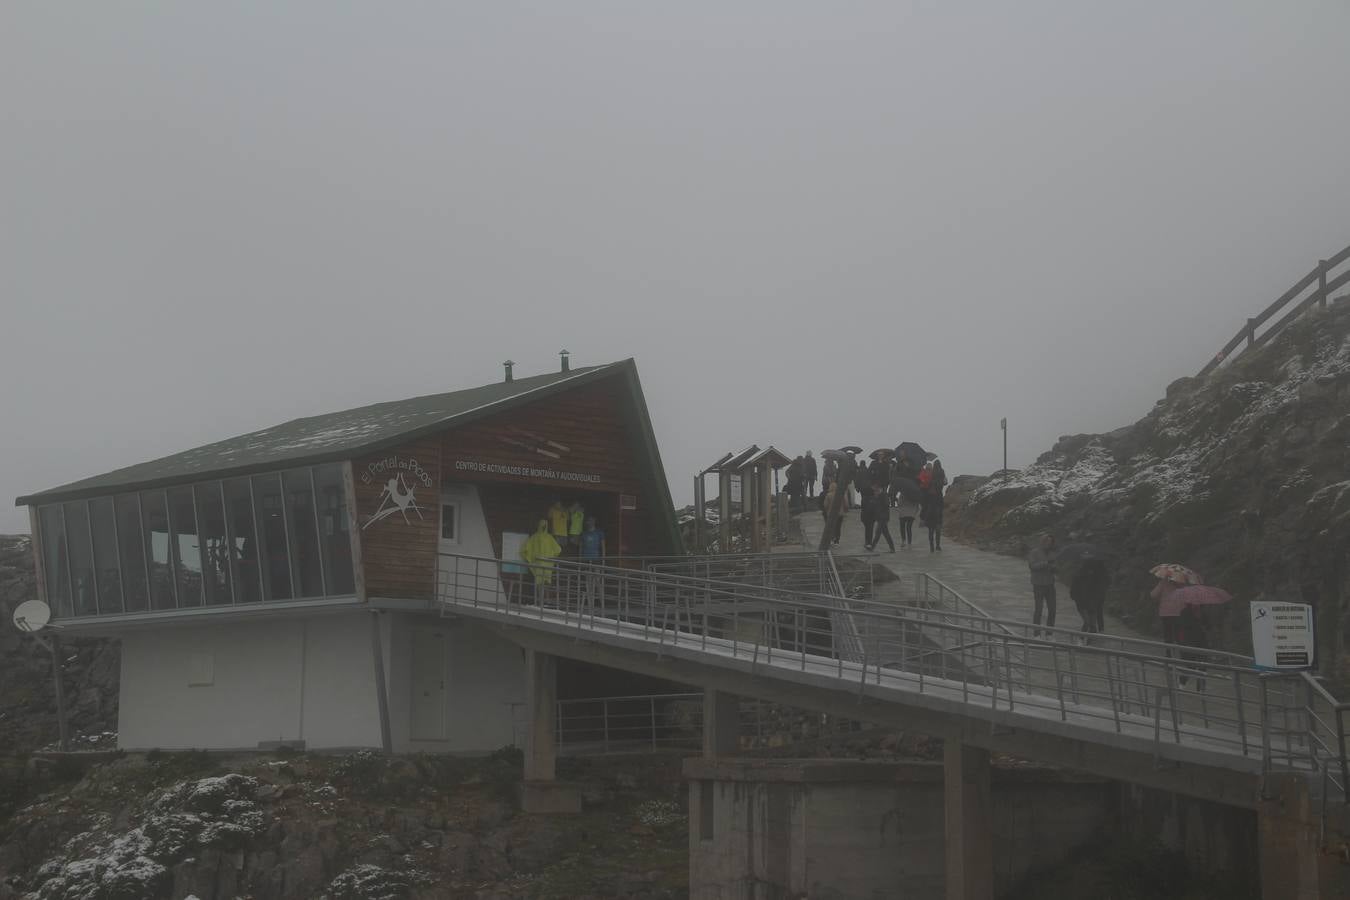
[809,471]
[939,476]
[868,513]
[1088,592]
[881,513]
[863,482]
[932,519]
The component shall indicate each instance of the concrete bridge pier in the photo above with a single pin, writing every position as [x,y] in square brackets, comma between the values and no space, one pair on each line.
[968,816]
[721,723]
[1294,865]
[540,791]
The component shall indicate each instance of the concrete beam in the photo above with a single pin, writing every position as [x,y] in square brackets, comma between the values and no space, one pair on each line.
[967,824]
[721,723]
[1221,785]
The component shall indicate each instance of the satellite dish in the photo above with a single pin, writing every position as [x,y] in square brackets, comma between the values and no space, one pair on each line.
[32,615]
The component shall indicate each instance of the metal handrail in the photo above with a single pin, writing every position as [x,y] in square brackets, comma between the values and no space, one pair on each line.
[1211,705]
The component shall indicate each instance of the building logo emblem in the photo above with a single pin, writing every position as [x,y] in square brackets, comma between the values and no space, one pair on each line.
[399,494]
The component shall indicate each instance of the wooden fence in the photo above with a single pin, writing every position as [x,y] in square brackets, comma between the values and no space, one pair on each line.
[1322,281]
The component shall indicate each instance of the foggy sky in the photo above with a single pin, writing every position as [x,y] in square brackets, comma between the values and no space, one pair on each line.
[812,224]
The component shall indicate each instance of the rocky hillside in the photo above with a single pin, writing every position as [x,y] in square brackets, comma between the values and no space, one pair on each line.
[360,827]
[27,701]
[1243,475]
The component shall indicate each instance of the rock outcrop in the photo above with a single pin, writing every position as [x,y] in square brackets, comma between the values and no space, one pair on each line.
[1244,475]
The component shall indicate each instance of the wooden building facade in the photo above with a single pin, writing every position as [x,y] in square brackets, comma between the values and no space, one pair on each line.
[220,567]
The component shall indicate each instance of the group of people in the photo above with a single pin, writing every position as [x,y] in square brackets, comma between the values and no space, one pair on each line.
[1087,589]
[566,531]
[1182,624]
[909,488]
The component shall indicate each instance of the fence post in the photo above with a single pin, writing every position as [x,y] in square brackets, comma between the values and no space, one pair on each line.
[1251,331]
[1322,283]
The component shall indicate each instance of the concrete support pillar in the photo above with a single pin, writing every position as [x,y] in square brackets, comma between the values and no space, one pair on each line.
[541,792]
[1293,866]
[721,723]
[969,838]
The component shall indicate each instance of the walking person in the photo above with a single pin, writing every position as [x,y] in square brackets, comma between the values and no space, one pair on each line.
[1041,562]
[868,514]
[809,470]
[939,477]
[1088,592]
[932,520]
[881,514]
[906,511]
[831,490]
[863,482]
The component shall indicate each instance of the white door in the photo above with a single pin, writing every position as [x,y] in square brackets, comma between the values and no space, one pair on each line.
[428,683]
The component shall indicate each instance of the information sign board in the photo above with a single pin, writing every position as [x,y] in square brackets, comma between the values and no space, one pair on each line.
[1282,635]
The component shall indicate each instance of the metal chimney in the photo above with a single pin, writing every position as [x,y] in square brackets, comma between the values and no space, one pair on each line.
[566,366]
[508,365]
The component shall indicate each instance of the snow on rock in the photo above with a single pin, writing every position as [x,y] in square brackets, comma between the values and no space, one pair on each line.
[207,813]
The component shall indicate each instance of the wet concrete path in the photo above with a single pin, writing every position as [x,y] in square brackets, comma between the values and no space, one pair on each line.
[1001,585]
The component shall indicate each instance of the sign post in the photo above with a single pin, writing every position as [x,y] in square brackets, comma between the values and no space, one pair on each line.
[1282,636]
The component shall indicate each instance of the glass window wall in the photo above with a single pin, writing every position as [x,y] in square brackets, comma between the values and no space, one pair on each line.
[246,570]
[185,546]
[81,558]
[278,536]
[159,559]
[107,565]
[267,507]
[303,528]
[54,570]
[335,539]
[131,550]
[214,543]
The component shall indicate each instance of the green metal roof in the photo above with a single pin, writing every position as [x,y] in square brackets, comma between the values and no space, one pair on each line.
[328,437]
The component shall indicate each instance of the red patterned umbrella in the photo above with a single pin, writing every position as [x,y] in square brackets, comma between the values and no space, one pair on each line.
[1176,574]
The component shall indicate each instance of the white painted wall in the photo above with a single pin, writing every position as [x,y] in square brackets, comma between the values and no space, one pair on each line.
[309,678]
[485,690]
[467,579]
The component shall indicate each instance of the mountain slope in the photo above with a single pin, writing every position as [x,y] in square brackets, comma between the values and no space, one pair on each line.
[1243,475]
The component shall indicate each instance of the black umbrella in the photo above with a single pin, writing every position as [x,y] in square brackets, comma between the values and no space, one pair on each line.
[907,488]
[913,452]
[1073,554]
[882,453]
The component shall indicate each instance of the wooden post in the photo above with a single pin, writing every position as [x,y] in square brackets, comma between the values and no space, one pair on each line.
[1251,331]
[1322,283]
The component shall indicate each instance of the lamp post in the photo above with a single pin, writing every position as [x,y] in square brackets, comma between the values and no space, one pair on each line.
[1003,423]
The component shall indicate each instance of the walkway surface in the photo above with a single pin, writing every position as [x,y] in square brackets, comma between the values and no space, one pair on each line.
[1000,585]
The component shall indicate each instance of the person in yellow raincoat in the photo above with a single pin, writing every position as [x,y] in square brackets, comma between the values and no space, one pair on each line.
[539,551]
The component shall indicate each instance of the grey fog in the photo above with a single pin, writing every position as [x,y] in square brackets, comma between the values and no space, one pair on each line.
[811,224]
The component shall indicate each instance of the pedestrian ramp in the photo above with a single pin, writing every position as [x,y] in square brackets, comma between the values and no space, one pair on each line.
[931,650]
